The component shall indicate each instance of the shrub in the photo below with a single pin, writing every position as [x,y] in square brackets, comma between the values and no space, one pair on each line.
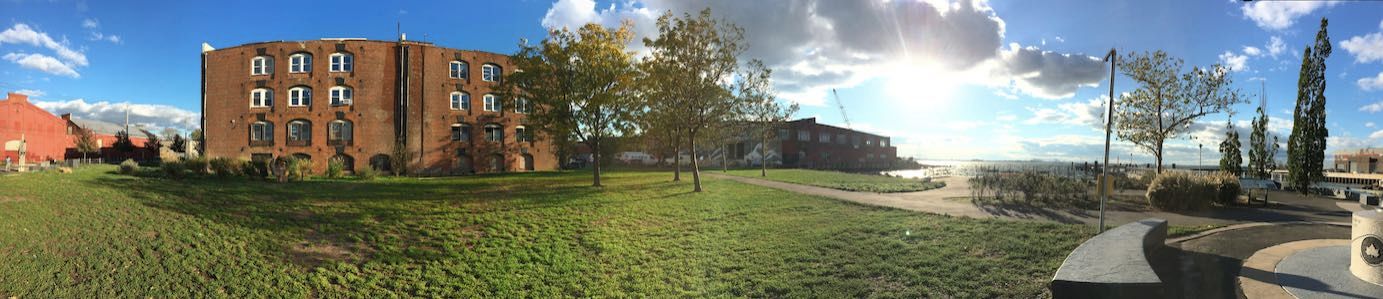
[299,169]
[128,167]
[367,173]
[400,158]
[1180,191]
[1226,186]
[172,169]
[224,167]
[254,169]
[198,166]
[334,168]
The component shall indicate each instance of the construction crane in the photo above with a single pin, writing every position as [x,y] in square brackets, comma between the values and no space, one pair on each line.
[842,109]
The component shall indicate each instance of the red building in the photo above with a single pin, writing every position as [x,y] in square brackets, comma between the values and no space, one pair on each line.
[22,124]
[104,135]
[807,144]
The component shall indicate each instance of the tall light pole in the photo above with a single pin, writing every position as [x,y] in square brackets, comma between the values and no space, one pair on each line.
[1200,154]
[1113,59]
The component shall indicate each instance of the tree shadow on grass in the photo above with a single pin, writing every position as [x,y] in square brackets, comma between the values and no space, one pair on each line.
[322,221]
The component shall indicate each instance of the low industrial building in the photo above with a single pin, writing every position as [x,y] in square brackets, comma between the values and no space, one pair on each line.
[1359,161]
[804,143]
[45,137]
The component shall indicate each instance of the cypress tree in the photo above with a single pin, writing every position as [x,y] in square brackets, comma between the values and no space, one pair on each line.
[1306,145]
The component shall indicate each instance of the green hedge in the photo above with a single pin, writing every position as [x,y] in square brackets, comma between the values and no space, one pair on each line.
[1183,191]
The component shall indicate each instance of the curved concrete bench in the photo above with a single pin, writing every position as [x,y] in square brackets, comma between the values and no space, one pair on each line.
[1114,264]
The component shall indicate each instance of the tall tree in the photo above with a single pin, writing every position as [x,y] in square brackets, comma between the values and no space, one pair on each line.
[658,119]
[178,144]
[1231,159]
[122,142]
[152,142]
[1306,145]
[86,142]
[761,110]
[694,56]
[581,83]
[1261,154]
[1167,101]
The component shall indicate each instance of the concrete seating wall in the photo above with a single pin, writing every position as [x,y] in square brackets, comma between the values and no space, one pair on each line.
[1115,264]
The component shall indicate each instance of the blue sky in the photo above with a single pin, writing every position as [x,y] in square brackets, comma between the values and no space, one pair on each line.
[948,79]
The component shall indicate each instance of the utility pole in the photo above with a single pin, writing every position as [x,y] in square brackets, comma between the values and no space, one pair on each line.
[1113,59]
[1200,154]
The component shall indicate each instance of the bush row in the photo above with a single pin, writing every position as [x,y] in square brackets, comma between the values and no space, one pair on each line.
[1183,191]
[281,168]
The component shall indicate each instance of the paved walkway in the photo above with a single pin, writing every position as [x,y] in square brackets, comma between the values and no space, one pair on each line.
[1286,206]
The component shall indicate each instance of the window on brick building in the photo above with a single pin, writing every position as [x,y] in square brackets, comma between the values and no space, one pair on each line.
[491,73]
[491,102]
[521,134]
[460,100]
[461,132]
[883,142]
[840,139]
[339,130]
[300,63]
[341,96]
[262,131]
[300,96]
[458,70]
[299,130]
[824,138]
[261,98]
[342,62]
[494,132]
[261,65]
[521,105]
[804,135]
[869,142]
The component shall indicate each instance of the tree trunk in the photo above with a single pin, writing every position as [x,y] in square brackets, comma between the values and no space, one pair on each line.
[725,158]
[763,157]
[676,162]
[595,164]
[696,167]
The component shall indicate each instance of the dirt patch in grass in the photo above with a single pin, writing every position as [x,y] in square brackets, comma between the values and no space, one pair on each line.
[317,249]
[5,199]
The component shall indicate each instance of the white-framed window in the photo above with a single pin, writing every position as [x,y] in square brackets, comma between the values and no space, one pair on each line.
[521,134]
[460,100]
[460,132]
[459,70]
[491,102]
[342,95]
[824,137]
[261,98]
[300,96]
[299,130]
[262,131]
[342,62]
[300,63]
[261,65]
[869,142]
[494,132]
[339,130]
[522,106]
[883,142]
[491,72]
[804,135]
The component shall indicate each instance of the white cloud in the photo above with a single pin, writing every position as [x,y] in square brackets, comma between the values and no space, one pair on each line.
[964,125]
[1234,62]
[44,63]
[97,36]
[1372,108]
[31,92]
[1376,135]
[1369,84]
[153,117]
[1366,48]
[1088,113]
[23,34]
[1278,15]
[1252,51]
[91,24]
[1276,46]
[814,46]
[1368,124]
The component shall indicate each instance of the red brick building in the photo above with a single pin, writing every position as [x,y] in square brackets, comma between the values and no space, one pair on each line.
[354,100]
[807,144]
[43,135]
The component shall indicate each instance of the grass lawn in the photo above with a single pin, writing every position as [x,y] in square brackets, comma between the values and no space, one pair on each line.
[841,180]
[98,234]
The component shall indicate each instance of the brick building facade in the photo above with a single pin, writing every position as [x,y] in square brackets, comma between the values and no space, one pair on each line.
[354,100]
[42,135]
[808,144]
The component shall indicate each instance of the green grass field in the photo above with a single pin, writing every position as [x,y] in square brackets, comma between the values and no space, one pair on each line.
[98,234]
[841,180]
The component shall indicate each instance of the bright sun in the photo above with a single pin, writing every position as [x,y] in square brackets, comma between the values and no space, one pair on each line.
[917,86]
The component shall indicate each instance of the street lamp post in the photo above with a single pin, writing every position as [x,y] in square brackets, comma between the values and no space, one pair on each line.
[1112,58]
[1200,154]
